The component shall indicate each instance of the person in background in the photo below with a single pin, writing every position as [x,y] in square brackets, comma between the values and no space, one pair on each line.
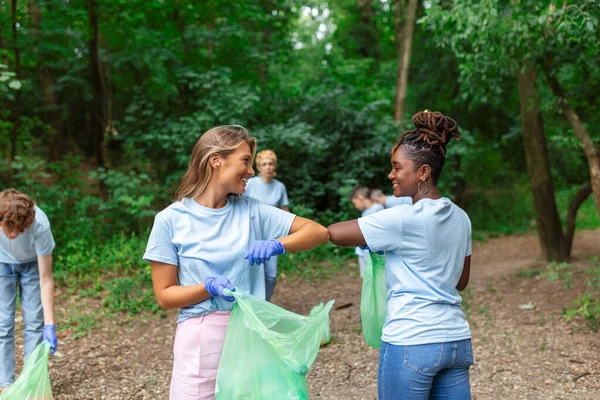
[267,189]
[361,199]
[389,201]
[206,243]
[426,348]
[26,245]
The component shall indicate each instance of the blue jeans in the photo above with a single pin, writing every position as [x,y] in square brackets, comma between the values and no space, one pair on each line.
[270,277]
[426,371]
[26,279]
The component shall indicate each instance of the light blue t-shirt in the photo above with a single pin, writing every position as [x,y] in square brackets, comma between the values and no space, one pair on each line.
[393,201]
[204,242]
[425,248]
[273,194]
[373,209]
[35,241]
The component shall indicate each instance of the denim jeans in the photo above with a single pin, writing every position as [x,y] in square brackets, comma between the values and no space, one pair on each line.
[26,279]
[427,371]
[270,277]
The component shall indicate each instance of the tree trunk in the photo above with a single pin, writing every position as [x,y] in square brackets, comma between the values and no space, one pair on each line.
[365,35]
[98,118]
[581,133]
[552,240]
[14,134]
[57,145]
[404,52]
[574,205]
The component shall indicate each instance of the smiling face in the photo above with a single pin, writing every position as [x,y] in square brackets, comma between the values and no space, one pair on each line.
[266,167]
[404,176]
[234,170]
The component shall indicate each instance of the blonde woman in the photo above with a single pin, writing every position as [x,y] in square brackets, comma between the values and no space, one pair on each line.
[203,243]
[270,191]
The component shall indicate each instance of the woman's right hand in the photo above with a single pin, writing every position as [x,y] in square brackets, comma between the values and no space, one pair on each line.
[215,285]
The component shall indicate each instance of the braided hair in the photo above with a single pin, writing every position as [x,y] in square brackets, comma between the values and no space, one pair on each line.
[426,144]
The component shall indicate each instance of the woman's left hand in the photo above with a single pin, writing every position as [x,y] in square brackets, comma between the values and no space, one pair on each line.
[263,250]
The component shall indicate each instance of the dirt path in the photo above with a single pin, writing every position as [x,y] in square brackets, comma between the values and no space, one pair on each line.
[520,354]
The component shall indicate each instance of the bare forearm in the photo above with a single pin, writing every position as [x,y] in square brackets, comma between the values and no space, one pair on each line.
[181,296]
[307,237]
[47,288]
[346,234]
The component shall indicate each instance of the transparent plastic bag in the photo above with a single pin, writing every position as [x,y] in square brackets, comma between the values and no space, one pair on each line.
[373,300]
[326,339]
[34,381]
[268,350]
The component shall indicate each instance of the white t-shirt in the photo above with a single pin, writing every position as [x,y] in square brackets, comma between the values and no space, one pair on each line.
[204,242]
[425,248]
[36,240]
[273,194]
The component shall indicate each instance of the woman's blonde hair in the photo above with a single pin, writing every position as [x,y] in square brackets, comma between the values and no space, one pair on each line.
[266,154]
[221,140]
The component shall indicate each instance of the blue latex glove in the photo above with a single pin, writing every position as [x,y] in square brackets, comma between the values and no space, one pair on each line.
[215,285]
[50,337]
[263,250]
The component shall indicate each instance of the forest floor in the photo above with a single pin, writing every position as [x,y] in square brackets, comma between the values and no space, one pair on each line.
[519,354]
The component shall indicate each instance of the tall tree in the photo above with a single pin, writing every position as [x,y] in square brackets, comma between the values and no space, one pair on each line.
[405,20]
[547,221]
[17,104]
[57,142]
[98,105]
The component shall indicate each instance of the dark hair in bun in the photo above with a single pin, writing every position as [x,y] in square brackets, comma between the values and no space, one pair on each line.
[426,144]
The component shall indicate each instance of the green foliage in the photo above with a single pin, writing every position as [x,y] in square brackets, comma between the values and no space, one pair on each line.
[587,306]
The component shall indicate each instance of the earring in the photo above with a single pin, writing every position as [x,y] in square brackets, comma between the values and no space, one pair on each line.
[426,188]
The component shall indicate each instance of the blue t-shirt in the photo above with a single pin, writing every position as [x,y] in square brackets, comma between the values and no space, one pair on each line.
[425,248]
[373,209]
[204,242]
[393,201]
[273,194]
[35,241]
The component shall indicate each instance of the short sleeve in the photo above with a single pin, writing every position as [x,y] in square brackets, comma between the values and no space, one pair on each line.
[44,242]
[283,202]
[274,222]
[469,240]
[383,230]
[160,245]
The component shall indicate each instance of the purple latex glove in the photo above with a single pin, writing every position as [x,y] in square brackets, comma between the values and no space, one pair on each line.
[214,285]
[50,337]
[263,250]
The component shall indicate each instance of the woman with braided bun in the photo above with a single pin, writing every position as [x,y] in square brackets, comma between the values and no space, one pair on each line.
[426,346]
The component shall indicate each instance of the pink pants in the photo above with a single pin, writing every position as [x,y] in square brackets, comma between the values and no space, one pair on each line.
[197,352]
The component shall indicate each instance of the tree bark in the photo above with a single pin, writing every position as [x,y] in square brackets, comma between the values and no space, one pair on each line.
[404,52]
[581,133]
[98,112]
[552,240]
[574,205]
[14,134]
[57,144]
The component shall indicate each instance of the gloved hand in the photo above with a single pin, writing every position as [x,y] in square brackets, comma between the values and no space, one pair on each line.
[50,337]
[263,250]
[214,285]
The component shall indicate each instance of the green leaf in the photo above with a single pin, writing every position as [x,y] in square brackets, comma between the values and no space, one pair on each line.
[15,85]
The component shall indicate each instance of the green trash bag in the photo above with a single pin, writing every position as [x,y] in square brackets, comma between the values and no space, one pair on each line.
[268,350]
[373,300]
[326,339]
[34,381]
